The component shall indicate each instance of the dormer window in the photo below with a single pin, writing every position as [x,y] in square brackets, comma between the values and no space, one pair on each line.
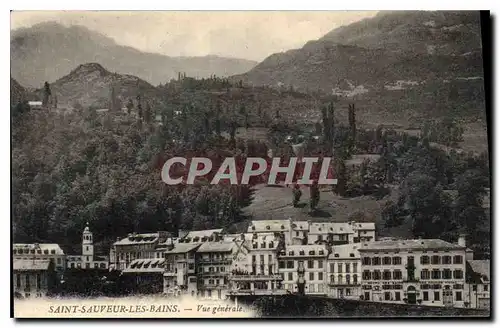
[302,253]
[253,227]
[268,227]
[331,228]
[351,255]
[46,251]
[319,229]
[336,255]
[321,252]
[52,251]
[282,227]
[271,245]
[311,252]
[290,253]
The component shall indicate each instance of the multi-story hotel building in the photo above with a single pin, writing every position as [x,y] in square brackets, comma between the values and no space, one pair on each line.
[255,266]
[180,270]
[294,232]
[33,278]
[478,276]
[51,252]
[420,271]
[214,264]
[309,258]
[344,272]
[138,246]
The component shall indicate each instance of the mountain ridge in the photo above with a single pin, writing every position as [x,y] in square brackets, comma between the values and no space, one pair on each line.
[52,50]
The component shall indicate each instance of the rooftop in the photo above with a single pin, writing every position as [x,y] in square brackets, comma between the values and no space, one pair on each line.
[42,247]
[482,268]
[140,238]
[410,244]
[269,225]
[181,248]
[331,227]
[221,246]
[31,265]
[345,251]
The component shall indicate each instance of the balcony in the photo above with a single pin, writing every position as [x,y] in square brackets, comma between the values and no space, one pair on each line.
[213,286]
[214,261]
[242,292]
[215,274]
[258,277]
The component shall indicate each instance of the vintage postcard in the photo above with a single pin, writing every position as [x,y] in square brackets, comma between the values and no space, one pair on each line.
[204,164]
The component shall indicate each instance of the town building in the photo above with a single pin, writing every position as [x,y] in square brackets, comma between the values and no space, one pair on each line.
[478,279]
[255,265]
[309,258]
[33,277]
[51,252]
[344,272]
[138,246]
[179,276]
[214,263]
[419,271]
[87,259]
[295,232]
[35,104]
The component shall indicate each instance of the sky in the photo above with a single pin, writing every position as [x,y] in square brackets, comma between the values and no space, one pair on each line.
[249,35]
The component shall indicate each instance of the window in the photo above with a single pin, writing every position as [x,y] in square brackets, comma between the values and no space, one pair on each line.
[366,261]
[367,275]
[18,280]
[348,279]
[436,296]
[281,264]
[262,259]
[339,268]
[271,244]
[387,296]
[485,288]
[376,275]
[320,275]
[387,260]
[58,260]
[397,296]
[291,253]
[474,288]
[332,279]
[397,275]
[435,259]
[96,265]
[27,281]
[436,274]
[72,265]
[348,292]
[446,274]
[290,275]
[355,279]
[376,261]
[425,296]
[52,251]
[310,264]
[347,267]
[263,245]
[340,279]
[254,245]
[396,260]
[424,259]
[355,267]
[457,259]
[458,296]
[458,274]
[289,264]
[387,275]
[332,267]
[425,274]
[296,233]
[320,264]
[446,259]
[210,281]
[311,275]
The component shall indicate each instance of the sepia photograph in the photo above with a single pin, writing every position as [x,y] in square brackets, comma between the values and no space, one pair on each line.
[250,164]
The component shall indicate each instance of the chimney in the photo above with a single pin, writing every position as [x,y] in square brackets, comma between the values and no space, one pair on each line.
[462,241]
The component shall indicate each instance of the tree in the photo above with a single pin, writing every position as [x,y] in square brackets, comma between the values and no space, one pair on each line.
[130,106]
[297,193]
[352,124]
[46,95]
[315,195]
